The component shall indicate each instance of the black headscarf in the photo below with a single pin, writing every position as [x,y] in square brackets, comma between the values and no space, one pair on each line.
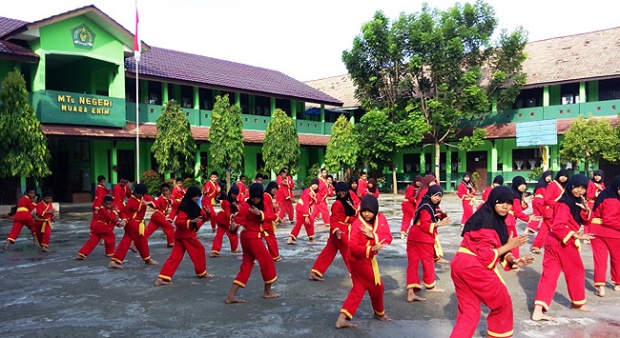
[348,209]
[191,208]
[370,203]
[499,179]
[560,173]
[469,184]
[374,185]
[599,173]
[487,218]
[256,191]
[270,187]
[140,189]
[570,200]
[542,181]
[610,191]
[516,182]
[352,180]
[428,204]
[314,181]
[234,190]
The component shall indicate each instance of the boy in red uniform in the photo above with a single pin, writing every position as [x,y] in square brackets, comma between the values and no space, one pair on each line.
[133,222]
[101,227]
[474,268]
[284,197]
[362,185]
[562,250]
[321,199]
[44,216]
[269,228]
[161,217]
[421,244]
[253,214]
[538,204]
[243,190]
[304,209]
[210,191]
[121,192]
[189,219]
[229,210]
[409,206]
[370,233]
[343,214]
[466,192]
[100,192]
[23,217]
[177,195]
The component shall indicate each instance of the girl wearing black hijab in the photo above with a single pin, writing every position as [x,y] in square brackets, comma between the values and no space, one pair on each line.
[342,215]
[595,187]
[562,250]
[605,228]
[421,244]
[467,193]
[538,205]
[353,191]
[303,209]
[476,280]
[223,222]
[269,227]
[409,206]
[518,205]
[497,181]
[190,217]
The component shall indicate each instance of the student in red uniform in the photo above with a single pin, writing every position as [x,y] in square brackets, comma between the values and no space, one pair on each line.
[421,244]
[101,191]
[121,192]
[353,192]
[304,209]
[243,191]
[44,216]
[474,273]
[553,192]
[210,191]
[372,188]
[362,185]
[497,181]
[370,233]
[23,217]
[133,220]
[538,204]
[161,217]
[322,193]
[595,186]
[252,216]
[409,206]
[427,181]
[258,178]
[562,250]
[605,228]
[518,205]
[269,227]
[342,215]
[229,210]
[284,197]
[466,192]
[177,195]
[101,227]
[189,219]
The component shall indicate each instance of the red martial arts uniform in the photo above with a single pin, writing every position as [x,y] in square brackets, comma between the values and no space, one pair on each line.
[44,216]
[120,193]
[420,195]
[242,192]
[23,217]
[304,209]
[562,254]
[321,204]
[356,199]
[210,191]
[338,240]
[364,267]
[223,228]
[605,227]
[176,196]
[477,280]
[553,192]
[362,188]
[421,248]
[161,219]
[466,194]
[485,196]
[134,229]
[269,229]
[408,209]
[185,239]
[100,192]
[252,245]
[511,221]
[538,207]
[101,227]
[376,193]
[594,189]
[284,196]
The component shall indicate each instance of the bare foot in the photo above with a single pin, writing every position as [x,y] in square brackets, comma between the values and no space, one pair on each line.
[291,241]
[271,294]
[616,287]
[151,261]
[600,291]
[114,265]
[132,247]
[582,308]
[342,322]
[45,249]
[80,257]
[233,300]
[6,246]
[277,259]
[214,255]
[435,290]
[442,260]
[314,276]
[403,235]
[383,318]
[542,317]
[412,297]
[160,282]
[311,241]
[209,276]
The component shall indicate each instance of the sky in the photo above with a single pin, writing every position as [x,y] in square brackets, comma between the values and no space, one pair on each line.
[304,39]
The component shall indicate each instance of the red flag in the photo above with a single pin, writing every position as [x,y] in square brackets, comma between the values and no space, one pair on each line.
[136,40]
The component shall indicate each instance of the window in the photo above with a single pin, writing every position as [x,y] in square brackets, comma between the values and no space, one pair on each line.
[187,97]
[569,93]
[609,89]
[206,98]
[263,105]
[154,95]
[526,159]
[285,105]
[411,163]
[245,103]
[529,98]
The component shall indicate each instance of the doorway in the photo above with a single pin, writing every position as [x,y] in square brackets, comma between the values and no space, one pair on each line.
[477,163]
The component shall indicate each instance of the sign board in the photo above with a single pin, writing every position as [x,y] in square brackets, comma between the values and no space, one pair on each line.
[537,133]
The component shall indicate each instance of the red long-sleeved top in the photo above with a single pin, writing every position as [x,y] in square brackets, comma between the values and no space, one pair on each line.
[163,205]
[410,195]
[24,209]
[362,188]
[339,221]
[44,211]
[211,190]
[104,220]
[177,194]
[424,230]
[253,224]
[517,212]
[100,192]
[119,193]
[322,192]
[242,192]
[285,188]
[134,209]
[553,193]
[223,217]
[486,193]
[606,219]
[184,228]
[564,225]
[306,201]
[356,200]
[484,244]
[463,192]
[593,190]
[360,246]
[423,192]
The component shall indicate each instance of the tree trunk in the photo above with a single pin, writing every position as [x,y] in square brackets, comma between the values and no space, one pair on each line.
[437,159]
[395,184]
[227,180]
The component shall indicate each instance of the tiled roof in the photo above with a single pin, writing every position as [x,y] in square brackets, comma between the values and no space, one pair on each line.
[8,25]
[17,51]
[171,64]
[509,130]
[149,131]
[340,87]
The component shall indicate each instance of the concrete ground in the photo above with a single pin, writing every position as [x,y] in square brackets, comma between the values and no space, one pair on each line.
[53,295]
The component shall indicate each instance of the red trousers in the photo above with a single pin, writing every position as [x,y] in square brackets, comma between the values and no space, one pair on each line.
[543,231]
[196,252]
[43,230]
[299,222]
[17,228]
[321,208]
[132,233]
[408,213]
[272,242]
[475,284]
[286,207]
[420,252]
[559,257]
[212,216]
[254,249]
[468,210]
[219,237]
[159,221]
[604,248]
[327,255]
[537,211]
[512,232]
[363,280]
[108,238]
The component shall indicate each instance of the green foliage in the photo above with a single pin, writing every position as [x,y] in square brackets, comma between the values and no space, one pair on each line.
[152,180]
[589,141]
[342,147]
[536,173]
[22,143]
[174,148]
[191,182]
[281,145]
[475,140]
[475,179]
[313,172]
[226,136]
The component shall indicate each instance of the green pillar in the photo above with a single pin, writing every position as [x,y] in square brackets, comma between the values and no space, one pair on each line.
[493,159]
[196,98]
[39,77]
[238,99]
[164,92]
[546,99]
[272,103]
[144,91]
[114,160]
[422,162]
[448,169]
[582,93]
[323,119]
[22,183]
[294,110]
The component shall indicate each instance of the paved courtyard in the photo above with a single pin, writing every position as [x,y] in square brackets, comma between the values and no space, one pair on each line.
[53,295]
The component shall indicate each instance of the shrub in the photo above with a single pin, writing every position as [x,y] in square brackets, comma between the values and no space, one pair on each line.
[152,180]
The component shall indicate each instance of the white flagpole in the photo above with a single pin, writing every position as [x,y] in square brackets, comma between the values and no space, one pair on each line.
[137,59]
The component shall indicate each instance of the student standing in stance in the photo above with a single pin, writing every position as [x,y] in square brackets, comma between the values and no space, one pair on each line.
[595,187]
[284,197]
[353,192]
[161,217]
[474,268]
[370,233]
[120,193]
[177,196]
[518,205]
[304,208]
[538,204]
[497,181]
[269,226]
[23,217]
[44,216]
[101,228]
[100,192]
[562,250]
[466,192]
[210,191]
[409,205]
[229,210]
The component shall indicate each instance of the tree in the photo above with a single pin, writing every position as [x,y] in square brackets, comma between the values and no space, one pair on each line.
[342,147]
[174,148]
[441,65]
[226,137]
[22,143]
[589,141]
[281,144]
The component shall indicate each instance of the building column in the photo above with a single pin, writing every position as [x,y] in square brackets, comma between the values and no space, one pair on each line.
[164,92]
[238,99]
[114,160]
[272,105]
[196,97]
[323,119]
[294,110]
[582,93]
[144,91]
